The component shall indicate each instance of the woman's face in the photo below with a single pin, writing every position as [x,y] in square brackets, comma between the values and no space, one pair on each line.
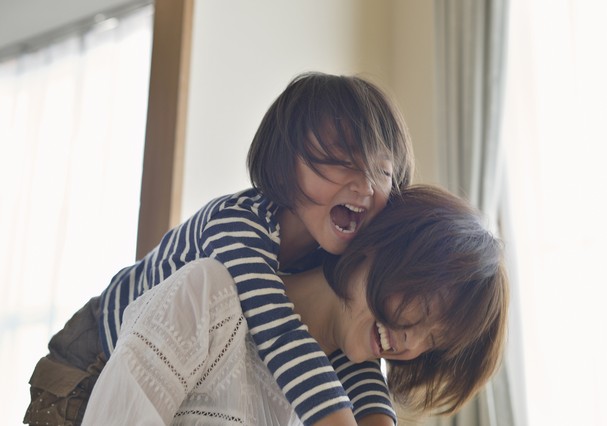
[363,338]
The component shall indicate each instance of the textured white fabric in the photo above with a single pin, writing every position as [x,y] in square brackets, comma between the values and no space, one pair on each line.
[185,357]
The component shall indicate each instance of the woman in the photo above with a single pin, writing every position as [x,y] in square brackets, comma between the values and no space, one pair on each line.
[423,287]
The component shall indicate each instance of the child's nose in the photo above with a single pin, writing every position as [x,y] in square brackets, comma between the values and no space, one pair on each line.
[361,183]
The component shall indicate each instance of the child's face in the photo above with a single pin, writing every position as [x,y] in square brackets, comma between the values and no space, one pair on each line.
[363,338]
[345,200]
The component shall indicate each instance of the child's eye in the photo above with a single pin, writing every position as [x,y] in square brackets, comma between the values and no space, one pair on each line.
[385,167]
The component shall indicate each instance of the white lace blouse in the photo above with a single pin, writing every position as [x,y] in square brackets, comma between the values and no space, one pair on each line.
[185,357]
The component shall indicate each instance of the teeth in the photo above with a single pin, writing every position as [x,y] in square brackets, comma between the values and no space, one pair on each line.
[351,228]
[383,337]
[354,208]
[353,225]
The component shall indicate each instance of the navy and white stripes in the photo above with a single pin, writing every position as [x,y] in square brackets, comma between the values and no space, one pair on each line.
[364,384]
[240,231]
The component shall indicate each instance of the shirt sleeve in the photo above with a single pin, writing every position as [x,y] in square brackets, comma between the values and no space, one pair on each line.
[365,385]
[241,240]
[162,346]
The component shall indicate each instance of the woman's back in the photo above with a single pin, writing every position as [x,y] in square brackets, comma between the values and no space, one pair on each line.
[187,355]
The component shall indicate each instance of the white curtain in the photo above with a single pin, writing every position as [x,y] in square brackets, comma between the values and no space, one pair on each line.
[556,143]
[72,123]
[470,40]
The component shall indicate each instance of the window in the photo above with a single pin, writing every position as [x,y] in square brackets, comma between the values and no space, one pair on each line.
[72,124]
[554,133]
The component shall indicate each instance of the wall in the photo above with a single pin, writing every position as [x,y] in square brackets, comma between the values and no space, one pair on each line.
[413,79]
[244,54]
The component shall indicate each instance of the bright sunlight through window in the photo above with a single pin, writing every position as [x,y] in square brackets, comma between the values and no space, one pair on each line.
[554,129]
[72,122]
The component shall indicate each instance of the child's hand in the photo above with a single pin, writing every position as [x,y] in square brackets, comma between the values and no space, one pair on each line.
[343,417]
[376,420]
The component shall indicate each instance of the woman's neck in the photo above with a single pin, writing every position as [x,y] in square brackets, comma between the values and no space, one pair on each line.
[317,305]
[295,240]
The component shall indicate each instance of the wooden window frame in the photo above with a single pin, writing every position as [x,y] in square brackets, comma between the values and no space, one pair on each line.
[162,177]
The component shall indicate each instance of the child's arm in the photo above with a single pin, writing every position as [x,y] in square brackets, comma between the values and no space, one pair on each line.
[345,417]
[242,239]
[376,420]
[367,389]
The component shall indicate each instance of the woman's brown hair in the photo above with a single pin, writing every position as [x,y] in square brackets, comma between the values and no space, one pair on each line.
[348,116]
[429,243]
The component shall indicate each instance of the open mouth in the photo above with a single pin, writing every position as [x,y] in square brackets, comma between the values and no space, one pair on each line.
[347,217]
[382,337]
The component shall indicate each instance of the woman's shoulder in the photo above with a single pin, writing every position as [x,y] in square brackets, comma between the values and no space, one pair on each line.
[190,291]
[207,275]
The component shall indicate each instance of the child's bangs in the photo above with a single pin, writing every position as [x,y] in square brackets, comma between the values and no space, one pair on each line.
[337,140]
[365,126]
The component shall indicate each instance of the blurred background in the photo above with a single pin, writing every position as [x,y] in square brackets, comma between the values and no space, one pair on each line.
[120,118]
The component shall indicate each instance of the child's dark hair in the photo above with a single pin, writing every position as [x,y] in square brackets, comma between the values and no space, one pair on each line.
[428,243]
[366,124]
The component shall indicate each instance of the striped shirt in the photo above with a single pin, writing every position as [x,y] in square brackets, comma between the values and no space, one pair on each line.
[242,232]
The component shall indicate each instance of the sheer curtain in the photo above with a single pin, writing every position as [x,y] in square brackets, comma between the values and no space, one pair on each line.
[556,107]
[72,122]
[470,37]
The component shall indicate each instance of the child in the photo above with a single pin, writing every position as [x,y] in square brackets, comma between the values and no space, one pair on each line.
[423,287]
[324,161]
